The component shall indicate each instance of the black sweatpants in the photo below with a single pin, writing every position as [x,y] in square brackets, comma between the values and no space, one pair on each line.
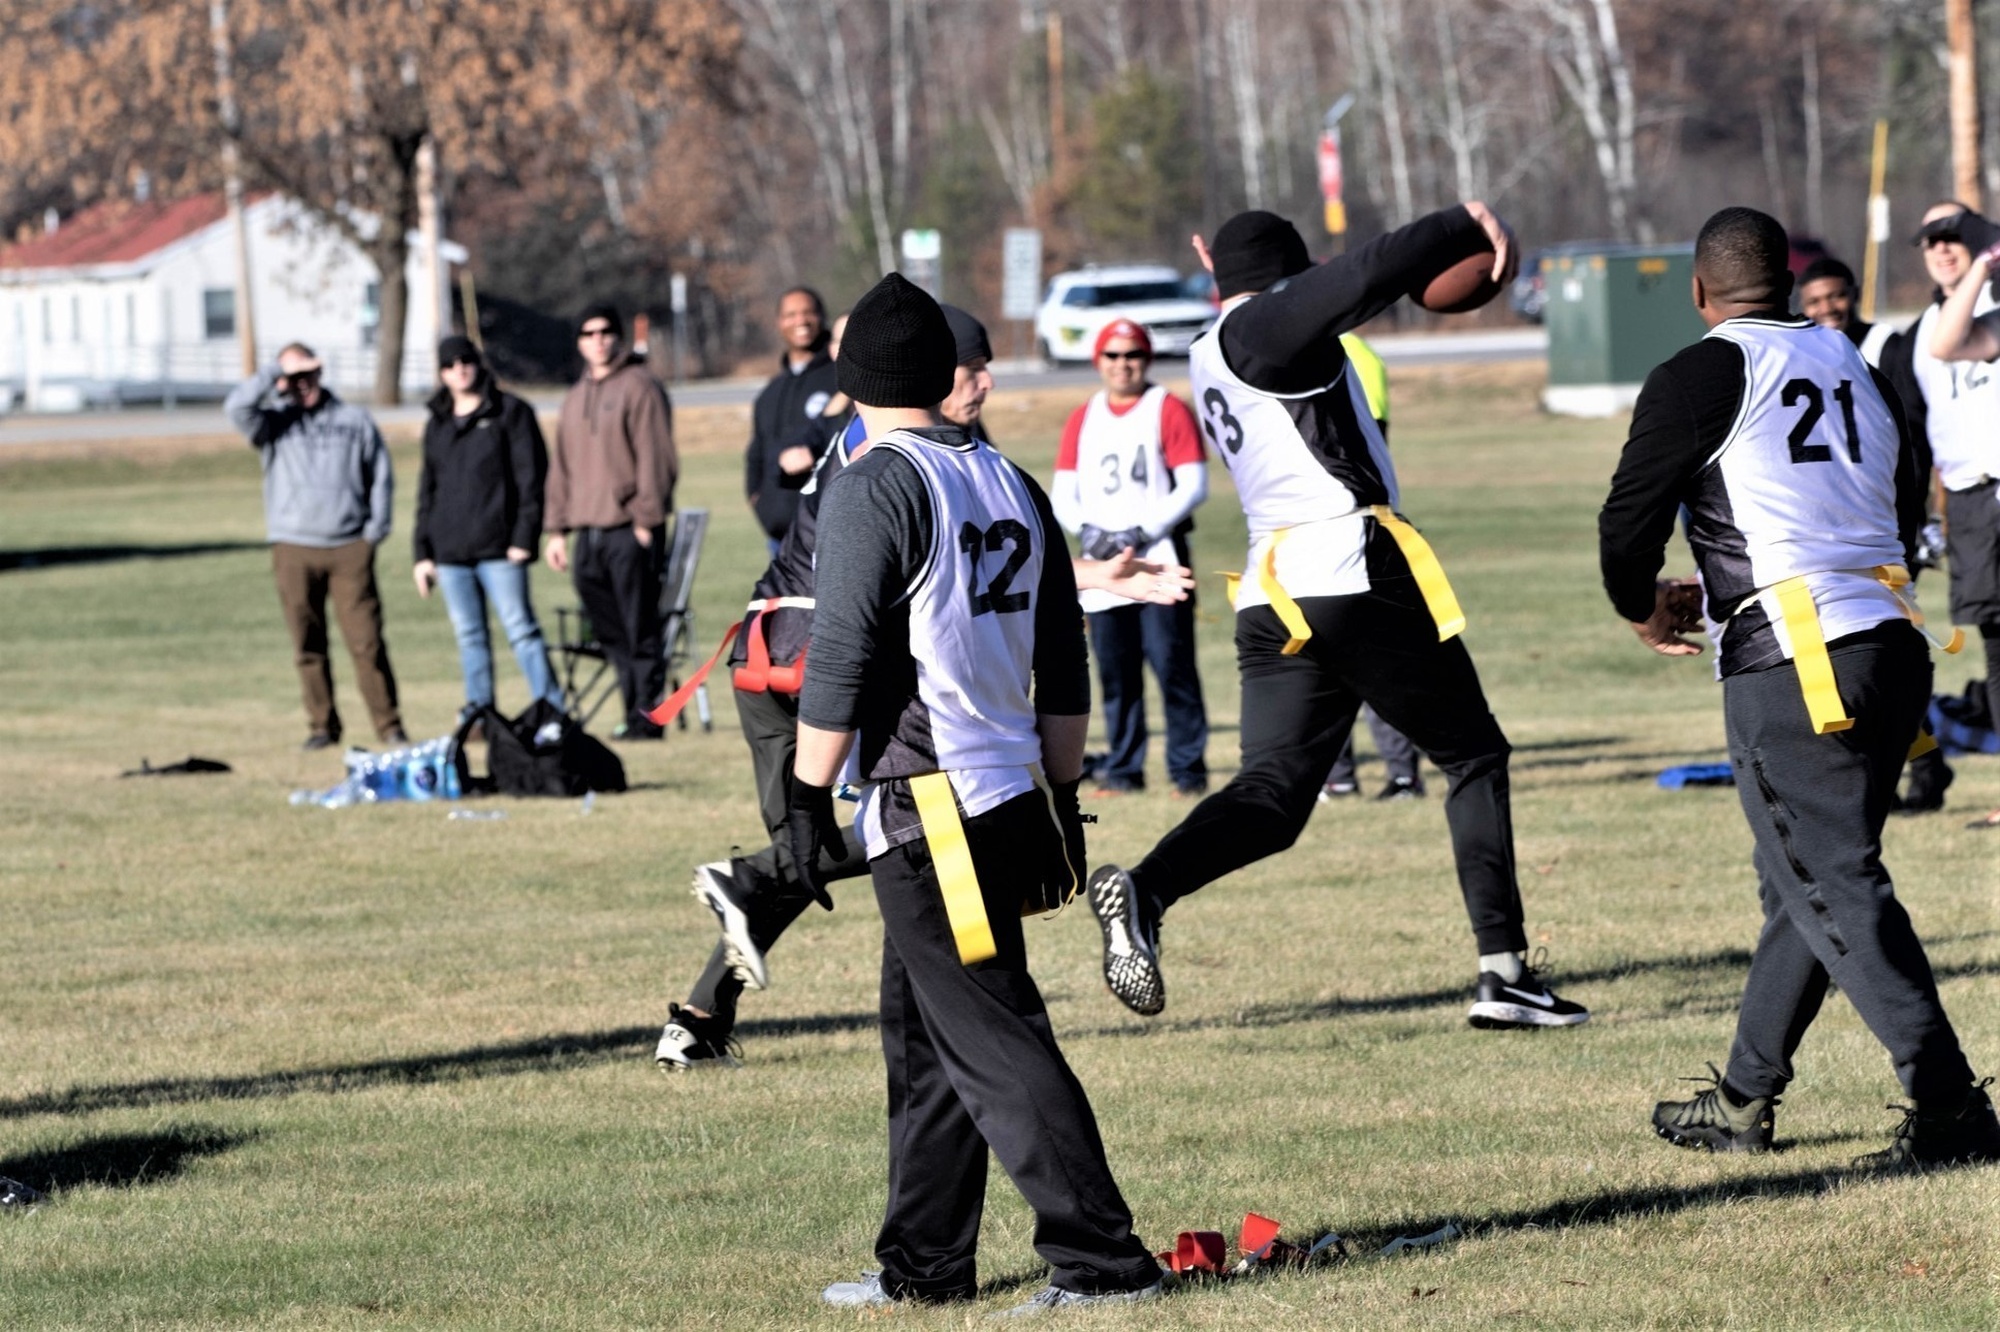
[1379,647]
[771,727]
[618,581]
[1816,805]
[1972,557]
[1125,640]
[973,1065]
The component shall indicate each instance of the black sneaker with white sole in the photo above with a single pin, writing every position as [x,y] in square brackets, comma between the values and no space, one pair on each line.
[691,1041]
[721,887]
[1499,1005]
[1131,940]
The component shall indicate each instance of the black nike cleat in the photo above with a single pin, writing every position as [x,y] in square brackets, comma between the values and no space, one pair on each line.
[1499,1005]
[1131,941]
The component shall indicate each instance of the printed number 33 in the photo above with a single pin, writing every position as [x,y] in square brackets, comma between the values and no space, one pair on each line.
[1224,430]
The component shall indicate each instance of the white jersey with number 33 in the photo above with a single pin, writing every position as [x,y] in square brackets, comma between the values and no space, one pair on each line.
[1307,465]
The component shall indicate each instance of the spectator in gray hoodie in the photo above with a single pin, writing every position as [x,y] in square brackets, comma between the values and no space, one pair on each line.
[327,493]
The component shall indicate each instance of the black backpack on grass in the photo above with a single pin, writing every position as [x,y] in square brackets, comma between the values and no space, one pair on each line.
[565,761]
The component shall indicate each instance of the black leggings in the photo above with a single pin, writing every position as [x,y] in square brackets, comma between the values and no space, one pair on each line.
[1379,647]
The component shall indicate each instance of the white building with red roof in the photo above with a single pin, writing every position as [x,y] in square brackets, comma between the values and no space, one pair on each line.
[134,301]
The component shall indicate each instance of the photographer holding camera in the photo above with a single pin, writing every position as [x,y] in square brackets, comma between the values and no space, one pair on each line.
[327,492]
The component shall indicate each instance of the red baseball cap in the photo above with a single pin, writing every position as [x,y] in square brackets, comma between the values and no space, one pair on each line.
[1122,328]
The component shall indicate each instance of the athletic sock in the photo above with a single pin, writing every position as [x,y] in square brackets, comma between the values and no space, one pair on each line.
[1737,1100]
[1509,966]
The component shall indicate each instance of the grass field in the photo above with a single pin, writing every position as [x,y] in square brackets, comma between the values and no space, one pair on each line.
[373,1069]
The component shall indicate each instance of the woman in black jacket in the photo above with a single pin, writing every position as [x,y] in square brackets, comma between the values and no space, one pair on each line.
[479,516]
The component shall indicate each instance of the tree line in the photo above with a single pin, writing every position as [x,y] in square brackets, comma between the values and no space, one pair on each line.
[593,149]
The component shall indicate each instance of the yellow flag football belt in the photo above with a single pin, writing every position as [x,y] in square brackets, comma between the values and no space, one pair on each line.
[937,807]
[1815,667]
[1439,599]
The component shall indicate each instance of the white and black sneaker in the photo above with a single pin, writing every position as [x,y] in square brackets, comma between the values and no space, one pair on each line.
[1499,1005]
[1131,941]
[690,1042]
[18,1197]
[718,887]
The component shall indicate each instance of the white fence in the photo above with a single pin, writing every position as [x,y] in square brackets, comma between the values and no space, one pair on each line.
[56,377]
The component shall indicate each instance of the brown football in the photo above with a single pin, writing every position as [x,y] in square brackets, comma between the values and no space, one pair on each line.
[1466,285]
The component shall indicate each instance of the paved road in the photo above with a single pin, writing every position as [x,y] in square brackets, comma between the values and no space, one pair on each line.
[1514,344]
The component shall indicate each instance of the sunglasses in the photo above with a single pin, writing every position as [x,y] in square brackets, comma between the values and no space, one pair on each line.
[1942,238]
[606,331]
[457,361]
[302,377]
[1126,356]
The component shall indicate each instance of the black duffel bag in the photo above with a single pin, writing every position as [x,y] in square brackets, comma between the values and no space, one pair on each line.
[542,752]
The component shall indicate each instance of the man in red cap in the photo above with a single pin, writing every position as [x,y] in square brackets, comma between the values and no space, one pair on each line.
[1128,477]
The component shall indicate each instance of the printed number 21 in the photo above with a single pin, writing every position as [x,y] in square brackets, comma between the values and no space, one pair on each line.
[1804,390]
[996,597]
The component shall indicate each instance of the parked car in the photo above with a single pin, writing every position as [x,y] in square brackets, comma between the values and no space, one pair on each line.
[1081,302]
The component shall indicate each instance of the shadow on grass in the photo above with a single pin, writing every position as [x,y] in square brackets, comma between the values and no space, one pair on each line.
[542,1054]
[49,556]
[120,1160]
[1728,961]
[1617,1205]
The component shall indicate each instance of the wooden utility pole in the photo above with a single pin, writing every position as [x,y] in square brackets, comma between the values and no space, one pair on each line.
[1058,119]
[1964,102]
[232,180]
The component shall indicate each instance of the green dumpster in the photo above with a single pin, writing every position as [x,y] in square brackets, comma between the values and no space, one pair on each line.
[1613,312]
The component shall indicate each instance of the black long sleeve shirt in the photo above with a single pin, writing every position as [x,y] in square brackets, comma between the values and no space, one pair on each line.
[875,531]
[1287,340]
[1683,415]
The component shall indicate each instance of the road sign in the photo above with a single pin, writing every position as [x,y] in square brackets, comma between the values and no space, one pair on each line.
[1021,279]
[923,252]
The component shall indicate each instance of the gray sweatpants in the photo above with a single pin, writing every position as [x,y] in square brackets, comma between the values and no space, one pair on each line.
[1816,805]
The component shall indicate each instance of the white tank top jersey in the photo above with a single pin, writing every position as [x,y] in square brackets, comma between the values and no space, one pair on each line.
[1804,484]
[1874,340]
[1121,475]
[972,631]
[1306,464]
[1962,399]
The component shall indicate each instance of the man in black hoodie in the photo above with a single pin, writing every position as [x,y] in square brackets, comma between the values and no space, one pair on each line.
[793,398]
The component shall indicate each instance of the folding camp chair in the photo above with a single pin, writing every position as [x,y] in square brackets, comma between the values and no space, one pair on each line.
[586,675]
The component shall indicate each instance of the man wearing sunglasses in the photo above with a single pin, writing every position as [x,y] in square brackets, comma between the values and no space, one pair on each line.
[1953,406]
[610,489]
[1129,474]
[327,493]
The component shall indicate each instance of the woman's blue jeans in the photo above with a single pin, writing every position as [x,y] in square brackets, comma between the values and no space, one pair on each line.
[468,590]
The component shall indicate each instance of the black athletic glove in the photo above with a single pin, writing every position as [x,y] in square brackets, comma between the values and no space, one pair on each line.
[1135,537]
[1098,544]
[1069,875]
[811,823]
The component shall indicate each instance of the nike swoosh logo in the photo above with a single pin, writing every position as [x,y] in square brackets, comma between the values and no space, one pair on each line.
[1543,997]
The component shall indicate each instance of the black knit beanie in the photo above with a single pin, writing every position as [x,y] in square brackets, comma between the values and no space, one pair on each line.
[898,350]
[604,310]
[1255,250]
[458,348]
[968,334]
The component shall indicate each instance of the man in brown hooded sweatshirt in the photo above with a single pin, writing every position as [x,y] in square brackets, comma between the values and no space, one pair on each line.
[610,489]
